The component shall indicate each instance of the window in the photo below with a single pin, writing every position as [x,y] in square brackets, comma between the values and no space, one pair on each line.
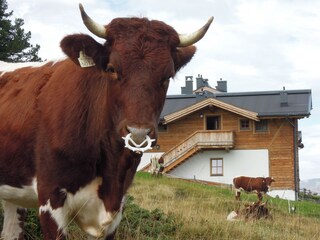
[216,167]
[261,126]
[213,123]
[244,124]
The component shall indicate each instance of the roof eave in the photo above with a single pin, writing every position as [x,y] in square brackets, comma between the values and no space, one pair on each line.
[205,103]
[282,115]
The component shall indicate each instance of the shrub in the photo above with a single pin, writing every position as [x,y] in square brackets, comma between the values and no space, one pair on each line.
[139,223]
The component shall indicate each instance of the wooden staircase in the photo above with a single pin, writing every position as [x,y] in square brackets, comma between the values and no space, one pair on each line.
[198,141]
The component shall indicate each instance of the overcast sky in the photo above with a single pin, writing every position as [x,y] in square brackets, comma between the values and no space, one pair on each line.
[254,45]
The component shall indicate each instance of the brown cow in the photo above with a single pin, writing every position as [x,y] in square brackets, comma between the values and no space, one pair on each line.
[249,184]
[72,132]
[255,210]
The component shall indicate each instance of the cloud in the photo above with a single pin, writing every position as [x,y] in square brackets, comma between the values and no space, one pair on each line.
[254,45]
[309,155]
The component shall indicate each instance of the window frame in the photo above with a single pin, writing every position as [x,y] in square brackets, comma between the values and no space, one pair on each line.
[240,124]
[217,167]
[266,124]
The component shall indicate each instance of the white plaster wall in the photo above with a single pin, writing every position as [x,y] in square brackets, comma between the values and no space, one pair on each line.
[253,163]
[283,194]
[145,159]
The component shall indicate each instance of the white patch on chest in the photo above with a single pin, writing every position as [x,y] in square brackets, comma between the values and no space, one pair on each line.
[87,210]
[26,196]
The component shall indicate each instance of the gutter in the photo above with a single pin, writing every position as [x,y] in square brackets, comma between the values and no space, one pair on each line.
[295,140]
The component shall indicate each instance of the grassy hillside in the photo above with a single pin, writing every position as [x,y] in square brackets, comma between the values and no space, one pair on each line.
[202,210]
[164,208]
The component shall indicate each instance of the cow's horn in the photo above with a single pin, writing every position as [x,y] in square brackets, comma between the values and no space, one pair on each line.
[97,29]
[191,38]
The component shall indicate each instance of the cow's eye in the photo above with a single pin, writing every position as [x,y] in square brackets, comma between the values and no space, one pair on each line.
[165,81]
[113,72]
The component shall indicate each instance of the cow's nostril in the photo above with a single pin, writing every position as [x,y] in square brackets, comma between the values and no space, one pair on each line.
[138,135]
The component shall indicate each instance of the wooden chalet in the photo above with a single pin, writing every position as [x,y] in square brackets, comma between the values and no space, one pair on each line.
[211,135]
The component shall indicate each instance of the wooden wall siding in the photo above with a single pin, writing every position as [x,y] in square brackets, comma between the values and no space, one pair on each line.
[180,130]
[278,139]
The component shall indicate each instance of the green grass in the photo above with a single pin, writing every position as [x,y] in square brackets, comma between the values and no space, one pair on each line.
[203,210]
[171,209]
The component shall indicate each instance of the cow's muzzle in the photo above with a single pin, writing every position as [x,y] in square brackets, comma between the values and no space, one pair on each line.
[137,140]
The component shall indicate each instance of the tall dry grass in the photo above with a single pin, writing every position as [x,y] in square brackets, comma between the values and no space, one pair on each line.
[203,211]
[191,211]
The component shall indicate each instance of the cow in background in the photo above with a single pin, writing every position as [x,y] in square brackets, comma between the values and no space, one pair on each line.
[255,211]
[257,185]
[72,132]
[156,165]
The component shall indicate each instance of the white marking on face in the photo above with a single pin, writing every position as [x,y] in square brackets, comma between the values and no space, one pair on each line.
[26,196]
[87,210]
[11,224]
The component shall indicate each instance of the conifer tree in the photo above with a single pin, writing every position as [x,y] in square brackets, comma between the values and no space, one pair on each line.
[14,41]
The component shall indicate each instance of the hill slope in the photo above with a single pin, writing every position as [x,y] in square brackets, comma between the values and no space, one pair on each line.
[203,209]
[171,209]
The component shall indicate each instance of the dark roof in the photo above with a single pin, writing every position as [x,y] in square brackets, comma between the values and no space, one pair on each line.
[283,103]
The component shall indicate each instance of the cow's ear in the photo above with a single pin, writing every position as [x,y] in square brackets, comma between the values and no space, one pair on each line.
[89,49]
[183,56]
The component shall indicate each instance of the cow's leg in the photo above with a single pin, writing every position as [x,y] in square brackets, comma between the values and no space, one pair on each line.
[53,215]
[50,228]
[111,237]
[259,196]
[238,193]
[13,223]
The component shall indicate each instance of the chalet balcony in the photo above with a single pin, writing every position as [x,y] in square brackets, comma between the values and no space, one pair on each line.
[199,140]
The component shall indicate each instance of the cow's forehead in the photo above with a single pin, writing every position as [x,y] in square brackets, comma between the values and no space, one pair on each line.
[142,56]
[129,29]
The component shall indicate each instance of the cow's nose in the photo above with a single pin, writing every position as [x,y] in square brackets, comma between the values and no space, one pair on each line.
[138,135]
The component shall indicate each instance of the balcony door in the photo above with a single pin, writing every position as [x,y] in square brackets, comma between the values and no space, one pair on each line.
[213,122]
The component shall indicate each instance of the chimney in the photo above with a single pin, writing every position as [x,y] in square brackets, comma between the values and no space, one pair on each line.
[201,82]
[189,86]
[284,99]
[221,85]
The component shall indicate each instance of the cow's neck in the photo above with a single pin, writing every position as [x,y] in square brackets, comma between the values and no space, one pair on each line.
[117,174]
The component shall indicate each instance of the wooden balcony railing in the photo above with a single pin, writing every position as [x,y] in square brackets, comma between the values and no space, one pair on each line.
[199,140]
